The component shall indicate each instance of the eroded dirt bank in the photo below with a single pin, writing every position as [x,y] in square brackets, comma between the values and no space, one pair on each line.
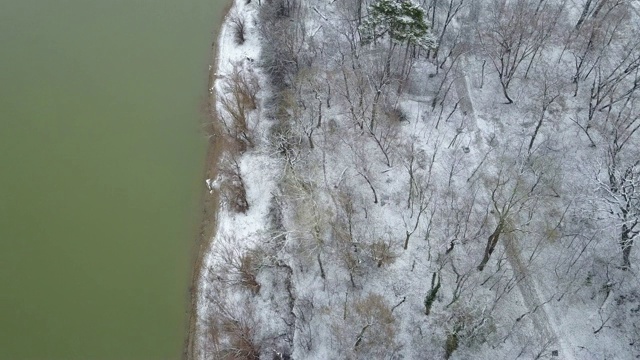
[210,199]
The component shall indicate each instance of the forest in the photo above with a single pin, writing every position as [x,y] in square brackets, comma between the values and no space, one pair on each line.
[426,179]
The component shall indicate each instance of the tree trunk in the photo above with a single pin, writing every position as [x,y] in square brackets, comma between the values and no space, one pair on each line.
[322,275]
[583,16]
[535,132]
[491,245]
[504,91]
[626,242]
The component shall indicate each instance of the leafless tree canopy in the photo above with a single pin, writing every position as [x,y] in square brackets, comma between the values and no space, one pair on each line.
[479,198]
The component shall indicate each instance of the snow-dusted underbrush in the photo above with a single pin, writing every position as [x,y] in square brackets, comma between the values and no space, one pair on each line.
[427,180]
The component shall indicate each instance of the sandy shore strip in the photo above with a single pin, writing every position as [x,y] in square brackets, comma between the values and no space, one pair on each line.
[210,199]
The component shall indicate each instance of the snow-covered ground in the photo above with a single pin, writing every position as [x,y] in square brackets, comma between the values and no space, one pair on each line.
[373,202]
[235,232]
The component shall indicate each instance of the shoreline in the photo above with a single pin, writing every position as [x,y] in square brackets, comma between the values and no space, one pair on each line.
[210,201]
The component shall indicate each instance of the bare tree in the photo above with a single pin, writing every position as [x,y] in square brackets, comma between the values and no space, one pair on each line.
[518,192]
[596,31]
[232,187]
[450,9]
[617,82]
[622,196]
[593,9]
[550,88]
[514,32]
[368,330]
[237,99]
[613,107]
[281,26]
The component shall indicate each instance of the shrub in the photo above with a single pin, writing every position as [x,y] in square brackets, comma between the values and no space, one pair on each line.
[232,327]
[248,271]
[238,27]
[395,114]
[379,330]
[240,96]
[450,345]
[232,188]
[382,253]
[240,341]
[280,59]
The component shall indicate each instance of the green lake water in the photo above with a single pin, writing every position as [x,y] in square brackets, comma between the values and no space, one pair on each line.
[101,160]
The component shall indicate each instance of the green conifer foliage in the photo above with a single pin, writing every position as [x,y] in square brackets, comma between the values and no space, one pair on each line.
[403,20]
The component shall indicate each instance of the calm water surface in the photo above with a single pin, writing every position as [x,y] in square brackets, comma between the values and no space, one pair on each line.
[100,169]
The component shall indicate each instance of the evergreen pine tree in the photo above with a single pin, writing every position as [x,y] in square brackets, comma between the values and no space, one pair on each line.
[403,20]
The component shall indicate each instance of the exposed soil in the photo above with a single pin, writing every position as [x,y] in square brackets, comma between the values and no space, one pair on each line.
[210,200]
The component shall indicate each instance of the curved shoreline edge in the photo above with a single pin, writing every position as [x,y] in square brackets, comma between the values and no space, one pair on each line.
[210,201]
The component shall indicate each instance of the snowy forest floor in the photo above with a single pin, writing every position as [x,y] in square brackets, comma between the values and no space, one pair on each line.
[384,201]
